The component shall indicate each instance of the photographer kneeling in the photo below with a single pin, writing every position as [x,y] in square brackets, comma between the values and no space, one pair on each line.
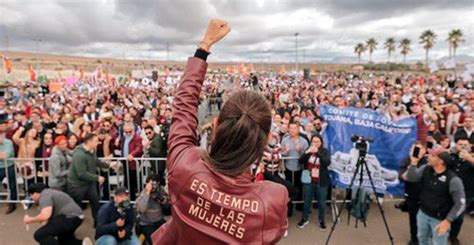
[60,215]
[150,205]
[115,221]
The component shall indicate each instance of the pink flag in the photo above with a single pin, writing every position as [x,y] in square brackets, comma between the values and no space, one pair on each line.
[71,80]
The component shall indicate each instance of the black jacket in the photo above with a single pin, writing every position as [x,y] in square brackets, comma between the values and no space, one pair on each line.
[464,170]
[325,160]
[107,218]
[461,133]
[157,147]
[412,190]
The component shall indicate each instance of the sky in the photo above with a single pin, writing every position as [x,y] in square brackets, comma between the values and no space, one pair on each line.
[262,30]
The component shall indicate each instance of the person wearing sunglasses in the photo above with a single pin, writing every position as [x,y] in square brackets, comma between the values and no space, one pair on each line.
[156,148]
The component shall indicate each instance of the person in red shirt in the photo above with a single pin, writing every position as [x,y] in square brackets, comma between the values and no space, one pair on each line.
[213,198]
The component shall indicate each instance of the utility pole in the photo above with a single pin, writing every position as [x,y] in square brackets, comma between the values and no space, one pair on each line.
[296,52]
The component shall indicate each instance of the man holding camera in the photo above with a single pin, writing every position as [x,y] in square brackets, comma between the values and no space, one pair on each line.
[412,190]
[463,166]
[60,214]
[442,197]
[115,221]
[150,208]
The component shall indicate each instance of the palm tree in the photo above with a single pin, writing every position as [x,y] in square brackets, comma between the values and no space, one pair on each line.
[405,48]
[371,46]
[427,38]
[454,38]
[359,49]
[390,46]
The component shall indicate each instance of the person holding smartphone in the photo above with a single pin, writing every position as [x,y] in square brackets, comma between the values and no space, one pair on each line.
[412,190]
[316,160]
[442,197]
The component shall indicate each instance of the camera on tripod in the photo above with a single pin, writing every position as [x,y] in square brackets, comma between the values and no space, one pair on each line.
[361,143]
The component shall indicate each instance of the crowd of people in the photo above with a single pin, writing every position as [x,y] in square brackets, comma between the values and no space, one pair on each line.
[75,127]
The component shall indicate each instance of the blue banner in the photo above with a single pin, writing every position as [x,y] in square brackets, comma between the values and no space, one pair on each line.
[391,142]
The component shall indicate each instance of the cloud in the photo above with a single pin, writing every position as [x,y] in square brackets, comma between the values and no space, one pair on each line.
[262,30]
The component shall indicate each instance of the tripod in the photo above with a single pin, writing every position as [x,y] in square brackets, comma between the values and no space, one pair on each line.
[361,164]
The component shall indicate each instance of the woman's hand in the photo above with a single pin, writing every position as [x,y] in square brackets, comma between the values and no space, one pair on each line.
[216,30]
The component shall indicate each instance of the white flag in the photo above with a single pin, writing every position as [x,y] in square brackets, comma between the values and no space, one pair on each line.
[450,64]
[137,74]
[466,76]
[433,67]
[470,68]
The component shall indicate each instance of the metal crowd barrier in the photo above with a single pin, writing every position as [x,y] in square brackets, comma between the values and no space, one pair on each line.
[116,177]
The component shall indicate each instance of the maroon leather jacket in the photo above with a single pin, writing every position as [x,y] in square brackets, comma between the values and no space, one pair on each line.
[135,148]
[209,207]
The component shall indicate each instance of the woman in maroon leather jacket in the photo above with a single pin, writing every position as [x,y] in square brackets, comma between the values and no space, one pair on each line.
[212,194]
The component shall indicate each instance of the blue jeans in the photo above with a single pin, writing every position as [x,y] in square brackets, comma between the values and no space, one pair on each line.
[426,230]
[315,191]
[110,240]
[11,180]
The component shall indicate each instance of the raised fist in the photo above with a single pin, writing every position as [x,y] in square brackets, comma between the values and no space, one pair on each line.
[216,30]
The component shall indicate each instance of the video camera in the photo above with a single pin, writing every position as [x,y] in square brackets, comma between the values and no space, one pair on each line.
[121,207]
[361,143]
[157,192]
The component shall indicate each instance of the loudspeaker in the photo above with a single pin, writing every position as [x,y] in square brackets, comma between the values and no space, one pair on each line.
[306,73]
[154,76]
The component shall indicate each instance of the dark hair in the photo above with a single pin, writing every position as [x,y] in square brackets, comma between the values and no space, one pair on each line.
[461,138]
[152,177]
[72,135]
[320,138]
[241,134]
[88,137]
[149,127]
[36,188]
[102,131]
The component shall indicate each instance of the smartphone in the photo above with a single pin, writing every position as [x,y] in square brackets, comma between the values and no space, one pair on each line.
[429,145]
[416,151]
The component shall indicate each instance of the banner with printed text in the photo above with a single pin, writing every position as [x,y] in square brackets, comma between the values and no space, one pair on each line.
[391,142]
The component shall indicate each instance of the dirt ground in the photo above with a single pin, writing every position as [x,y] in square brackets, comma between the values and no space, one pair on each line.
[12,231]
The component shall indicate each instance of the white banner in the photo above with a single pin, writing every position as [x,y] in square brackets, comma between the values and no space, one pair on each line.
[466,76]
[433,67]
[470,68]
[450,64]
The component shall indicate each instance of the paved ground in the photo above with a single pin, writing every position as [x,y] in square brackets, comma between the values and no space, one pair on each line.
[12,231]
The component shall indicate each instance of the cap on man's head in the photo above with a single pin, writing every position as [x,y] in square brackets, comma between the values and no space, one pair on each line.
[442,154]
[121,191]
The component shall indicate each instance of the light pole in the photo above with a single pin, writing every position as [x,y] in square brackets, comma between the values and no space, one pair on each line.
[296,52]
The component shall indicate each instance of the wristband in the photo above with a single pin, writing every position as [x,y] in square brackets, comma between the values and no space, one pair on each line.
[201,54]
